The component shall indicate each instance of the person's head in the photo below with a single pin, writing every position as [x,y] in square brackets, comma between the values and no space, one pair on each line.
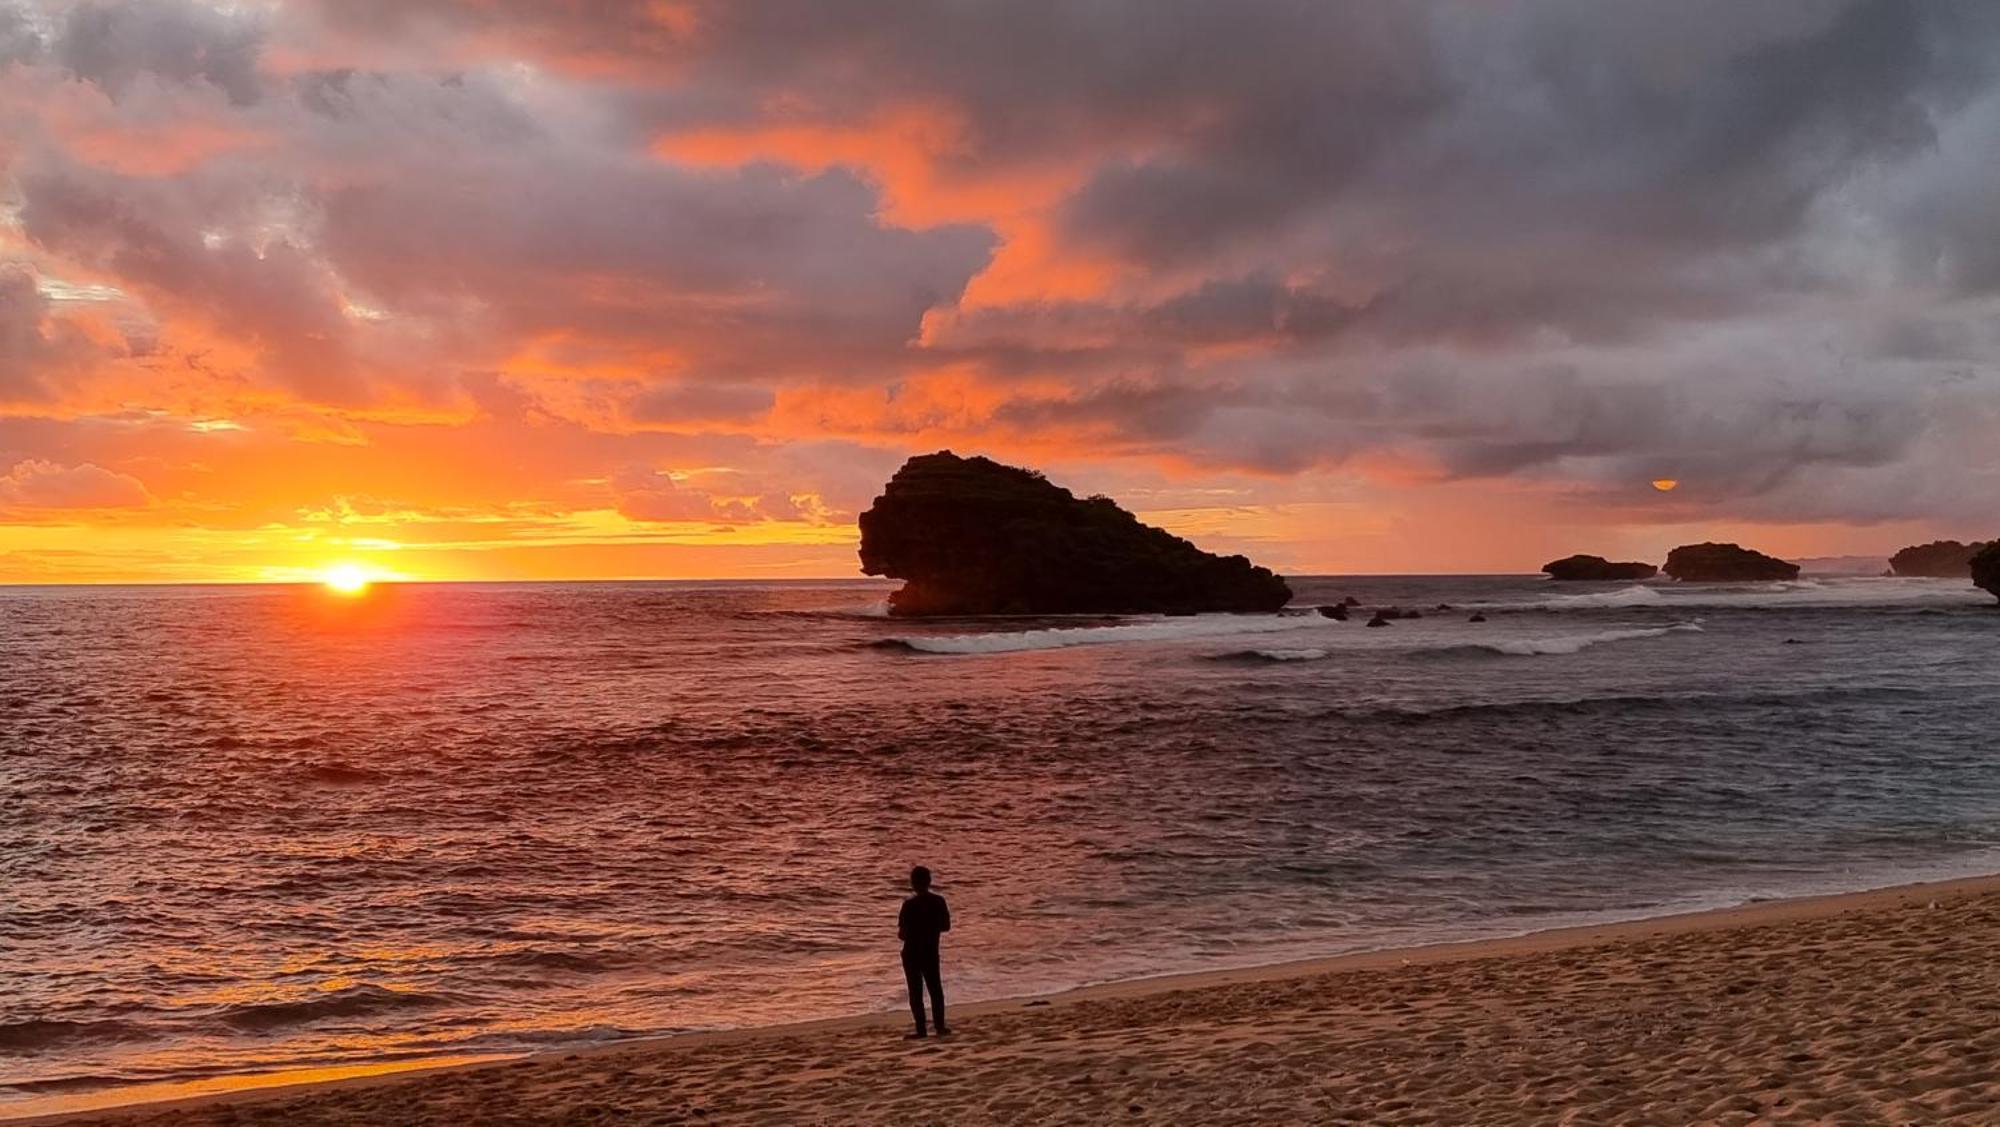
[920,879]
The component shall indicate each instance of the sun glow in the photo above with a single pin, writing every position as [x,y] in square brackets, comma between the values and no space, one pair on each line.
[346,579]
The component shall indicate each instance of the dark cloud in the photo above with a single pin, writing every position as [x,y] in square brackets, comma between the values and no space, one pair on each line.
[37,351]
[686,403]
[114,43]
[1582,244]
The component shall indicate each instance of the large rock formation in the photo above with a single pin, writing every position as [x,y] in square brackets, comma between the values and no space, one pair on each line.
[1986,569]
[1726,563]
[972,536]
[1939,559]
[1597,568]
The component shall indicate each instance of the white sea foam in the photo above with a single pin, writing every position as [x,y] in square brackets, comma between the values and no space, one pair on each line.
[1577,643]
[1290,655]
[1634,596]
[1166,630]
[1826,592]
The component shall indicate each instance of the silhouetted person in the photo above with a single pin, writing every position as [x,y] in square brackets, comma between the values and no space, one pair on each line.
[923,919]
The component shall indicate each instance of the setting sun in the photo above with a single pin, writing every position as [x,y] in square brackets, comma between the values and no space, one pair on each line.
[1665,484]
[346,579]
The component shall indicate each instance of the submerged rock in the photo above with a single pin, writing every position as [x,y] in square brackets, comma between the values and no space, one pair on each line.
[1986,569]
[1337,612]
[1726,563]
[1585,568]
[1378,620]
[972,536]
[1477,618]
[1939,559]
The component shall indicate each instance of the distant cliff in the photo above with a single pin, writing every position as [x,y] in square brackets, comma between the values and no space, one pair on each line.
[971,536]
[1939,559]
[1726,563]
[1986,569]
[1597,568]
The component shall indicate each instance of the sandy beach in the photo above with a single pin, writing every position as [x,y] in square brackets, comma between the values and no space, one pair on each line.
[1877,1007]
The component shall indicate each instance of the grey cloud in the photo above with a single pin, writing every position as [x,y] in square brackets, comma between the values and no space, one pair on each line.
[155,236]
[405,226]
[37,351]
[114,42]
[19,41]
[693,401]
[1751,245]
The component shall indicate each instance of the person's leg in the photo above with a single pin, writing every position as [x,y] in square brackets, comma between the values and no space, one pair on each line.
[913,977]
[935,980]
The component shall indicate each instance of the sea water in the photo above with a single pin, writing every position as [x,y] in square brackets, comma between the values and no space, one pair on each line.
[252,828]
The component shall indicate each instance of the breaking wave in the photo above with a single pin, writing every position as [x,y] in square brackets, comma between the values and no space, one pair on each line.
[1260,656]
[1169,630]
[1799,593]
[1575,643]
[1635,596]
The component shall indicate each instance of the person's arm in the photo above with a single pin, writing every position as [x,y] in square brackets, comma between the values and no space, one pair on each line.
[903,923]
[944,915]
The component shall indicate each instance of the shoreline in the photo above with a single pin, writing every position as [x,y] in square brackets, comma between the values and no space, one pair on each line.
[218,1092]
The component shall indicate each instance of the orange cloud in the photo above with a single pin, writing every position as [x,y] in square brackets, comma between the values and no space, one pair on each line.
[42,485]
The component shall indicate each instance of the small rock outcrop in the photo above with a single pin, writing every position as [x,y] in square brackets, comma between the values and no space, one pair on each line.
[1586,568]
[1939,559]
[1986,569]
[1726,563]
[971,536]
[1337,612]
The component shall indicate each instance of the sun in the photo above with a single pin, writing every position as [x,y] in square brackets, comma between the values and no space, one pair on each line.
[346,579]
[1666,484]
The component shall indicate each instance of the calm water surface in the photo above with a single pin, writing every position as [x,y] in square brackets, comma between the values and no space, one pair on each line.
[252,828]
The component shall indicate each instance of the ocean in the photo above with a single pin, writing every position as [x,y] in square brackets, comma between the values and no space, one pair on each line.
[245,829]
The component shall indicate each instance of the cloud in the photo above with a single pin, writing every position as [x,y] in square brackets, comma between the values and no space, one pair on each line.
[501,251]
[45,485]
[683,403]
[115,43]
[653,497]
[37,351]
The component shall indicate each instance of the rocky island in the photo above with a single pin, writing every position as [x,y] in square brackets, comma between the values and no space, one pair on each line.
[1586,568]
[1939,559]
[1726,563]
[971,536]
[1986,569]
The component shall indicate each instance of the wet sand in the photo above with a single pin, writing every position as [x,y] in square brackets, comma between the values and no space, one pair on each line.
[1877,1007]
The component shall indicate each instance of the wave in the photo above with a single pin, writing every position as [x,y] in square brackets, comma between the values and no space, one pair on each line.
[36,1034]
[575,962]
[1783,594]
[1169,630]
[1575,643]
[1634,596]
[353,1001]
[1261,656]
[340,774]
[1546,708]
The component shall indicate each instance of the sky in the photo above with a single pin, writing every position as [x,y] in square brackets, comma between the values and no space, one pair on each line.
[508,289]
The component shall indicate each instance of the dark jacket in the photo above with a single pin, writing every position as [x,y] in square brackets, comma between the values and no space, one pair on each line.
[923,919]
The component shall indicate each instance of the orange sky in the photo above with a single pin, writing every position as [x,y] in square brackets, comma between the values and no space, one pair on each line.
[510,290]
